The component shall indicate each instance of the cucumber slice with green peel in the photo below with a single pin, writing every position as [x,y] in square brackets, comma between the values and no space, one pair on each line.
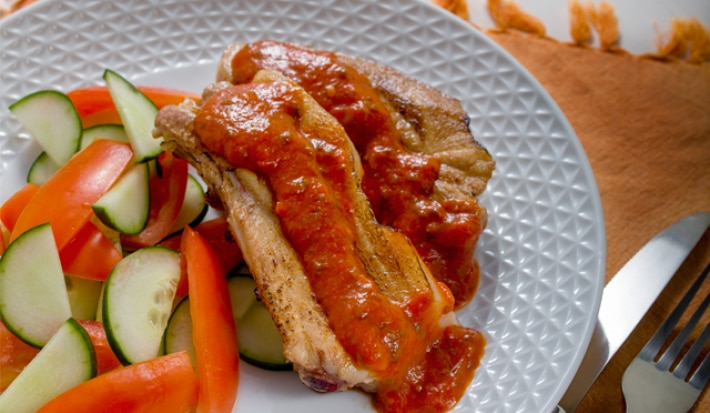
[109,131]
[100,304]
[137,302]
[66,361]
[154,168]
[194,206]
[259,340]
[52,120]
[83,296]
[126,206]
[42,169]
[33,297]
[110,233]
[178,333]
[241,293]
[137,114]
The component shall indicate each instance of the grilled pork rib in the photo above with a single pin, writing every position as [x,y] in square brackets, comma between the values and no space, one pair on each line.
[391,261]
[424,357]
[431,127]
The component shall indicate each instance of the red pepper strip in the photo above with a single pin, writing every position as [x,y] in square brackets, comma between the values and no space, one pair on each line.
[90,254]
[166,196]
[163,384]
[108,116]
[217,234]
[106,360]
[3,243]
[213,331]
[15,354]
[95,99]
[12,208]
[65,199]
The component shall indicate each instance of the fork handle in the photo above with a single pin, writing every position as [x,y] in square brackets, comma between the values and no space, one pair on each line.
[667,394]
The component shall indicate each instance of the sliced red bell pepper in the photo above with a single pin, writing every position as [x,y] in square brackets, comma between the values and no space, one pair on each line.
[213,331]
[217,234]
[12,208]
[166,195]
[94,99]
[103,117]
[65,199]
[106,360]
[15,354]
[3,242]
[163,384]
[90,254]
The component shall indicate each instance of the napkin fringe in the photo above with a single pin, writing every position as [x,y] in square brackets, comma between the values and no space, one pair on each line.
[687,40]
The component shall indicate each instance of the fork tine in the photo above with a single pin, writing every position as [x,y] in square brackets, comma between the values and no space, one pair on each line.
[674,349]
[650,350]
[684,366]
[700,378]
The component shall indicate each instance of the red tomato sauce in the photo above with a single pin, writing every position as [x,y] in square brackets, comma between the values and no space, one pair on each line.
[255,127]
[422,366]
[398,183]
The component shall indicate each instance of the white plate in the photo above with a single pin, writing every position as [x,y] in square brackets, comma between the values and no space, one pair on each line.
[543,253]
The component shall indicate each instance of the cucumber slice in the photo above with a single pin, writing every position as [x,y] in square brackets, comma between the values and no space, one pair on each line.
[110,131]
[194,207]
[33,297]
[137,301]
[178,334]
[113,235]
[259,340]
[41,169]
[67,360]
[52,120]
[137,114]
[83,296]
[126,206]
[100,304]
[241,293]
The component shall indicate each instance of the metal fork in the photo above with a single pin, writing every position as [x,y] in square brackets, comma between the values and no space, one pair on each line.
[651,383]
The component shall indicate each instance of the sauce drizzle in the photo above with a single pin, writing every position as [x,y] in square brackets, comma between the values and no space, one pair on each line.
[422,366]
[398,183]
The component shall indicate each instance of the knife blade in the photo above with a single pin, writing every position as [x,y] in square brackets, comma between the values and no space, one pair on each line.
[646,275]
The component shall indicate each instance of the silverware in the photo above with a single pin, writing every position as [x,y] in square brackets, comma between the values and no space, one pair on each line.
[646,275]
[664,386]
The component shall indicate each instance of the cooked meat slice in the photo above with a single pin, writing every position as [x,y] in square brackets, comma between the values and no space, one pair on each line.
[435,204]
[312,341]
